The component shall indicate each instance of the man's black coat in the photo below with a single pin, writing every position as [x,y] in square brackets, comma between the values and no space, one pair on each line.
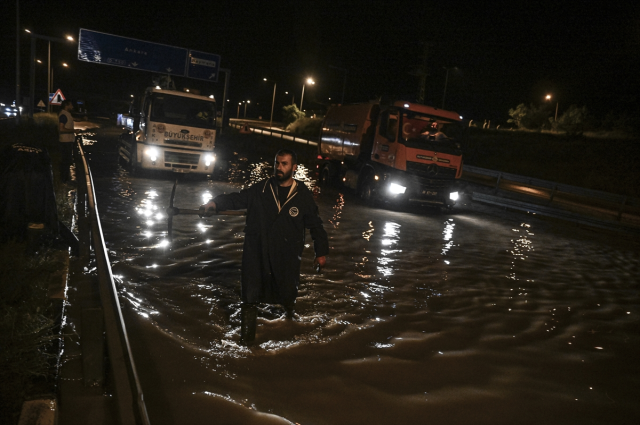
[274,240]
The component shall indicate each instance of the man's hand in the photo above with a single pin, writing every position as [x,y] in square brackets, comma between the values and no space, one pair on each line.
[319,263]
[207,210]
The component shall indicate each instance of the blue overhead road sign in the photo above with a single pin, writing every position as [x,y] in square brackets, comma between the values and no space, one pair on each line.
[108,49]
[203,66]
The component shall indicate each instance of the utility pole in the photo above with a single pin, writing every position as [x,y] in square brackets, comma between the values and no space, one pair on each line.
[18,60]
[422,74]
[344,84]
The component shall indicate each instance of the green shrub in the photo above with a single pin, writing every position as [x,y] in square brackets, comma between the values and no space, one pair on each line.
[290,114]
[309,127]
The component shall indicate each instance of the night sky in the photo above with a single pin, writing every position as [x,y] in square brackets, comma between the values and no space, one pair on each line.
[500,54]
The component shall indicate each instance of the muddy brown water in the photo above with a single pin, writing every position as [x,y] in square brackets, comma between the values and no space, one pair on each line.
[475,316]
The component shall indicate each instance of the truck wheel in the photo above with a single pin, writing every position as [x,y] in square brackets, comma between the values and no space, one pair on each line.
[133,159]
[366,192]
[325,177]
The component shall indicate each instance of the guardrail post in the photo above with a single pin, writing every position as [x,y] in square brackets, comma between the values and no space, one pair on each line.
[92,346]
[553,193]
[495,190]
[624,202]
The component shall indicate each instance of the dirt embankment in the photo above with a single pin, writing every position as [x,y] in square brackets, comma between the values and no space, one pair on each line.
[607,164]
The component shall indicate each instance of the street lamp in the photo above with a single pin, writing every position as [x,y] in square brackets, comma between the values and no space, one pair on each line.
[555,119]
[33,62]
[273,102]
[245,108]
[309,81]
[239,103]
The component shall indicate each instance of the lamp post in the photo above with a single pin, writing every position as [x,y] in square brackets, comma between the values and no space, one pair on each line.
[555,119]
[309,81]
[273,102]
[446,80]
[64,65]
[238,116]
[245,108]
[33,61]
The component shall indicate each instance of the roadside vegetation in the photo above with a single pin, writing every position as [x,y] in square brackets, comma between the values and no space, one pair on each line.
[27,327]
[27,315]
[576,120]
[607,164]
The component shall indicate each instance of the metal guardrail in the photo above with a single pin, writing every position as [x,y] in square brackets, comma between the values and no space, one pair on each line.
[555,187]
[274,133]
[128,392]
[545,211]
[588,197]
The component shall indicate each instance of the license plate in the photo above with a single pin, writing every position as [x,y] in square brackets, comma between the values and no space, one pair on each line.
[429,193]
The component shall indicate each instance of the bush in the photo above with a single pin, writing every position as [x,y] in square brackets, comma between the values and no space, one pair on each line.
[572,121]
[290,114]
[529,117]
[309,127]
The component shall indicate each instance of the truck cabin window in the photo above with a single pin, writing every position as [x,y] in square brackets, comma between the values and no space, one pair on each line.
[392,128]
[421,127]
[184,111]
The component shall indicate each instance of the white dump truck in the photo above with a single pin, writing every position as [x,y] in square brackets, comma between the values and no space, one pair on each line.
[170,130]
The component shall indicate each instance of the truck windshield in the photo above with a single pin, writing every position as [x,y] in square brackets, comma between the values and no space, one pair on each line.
[186,111]
[429,132]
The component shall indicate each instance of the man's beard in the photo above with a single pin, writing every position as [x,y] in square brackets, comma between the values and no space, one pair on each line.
[284,176]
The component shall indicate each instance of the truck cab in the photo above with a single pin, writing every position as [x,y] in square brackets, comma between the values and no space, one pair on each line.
[402,151]
[170,130]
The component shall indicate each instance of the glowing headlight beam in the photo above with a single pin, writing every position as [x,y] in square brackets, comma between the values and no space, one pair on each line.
[396,189]
[152,153]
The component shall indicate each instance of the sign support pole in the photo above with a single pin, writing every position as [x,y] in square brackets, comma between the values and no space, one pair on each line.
[227,76]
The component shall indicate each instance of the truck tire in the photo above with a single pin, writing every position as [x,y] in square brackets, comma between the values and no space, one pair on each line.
[133,159]
[325,177]
[366,192]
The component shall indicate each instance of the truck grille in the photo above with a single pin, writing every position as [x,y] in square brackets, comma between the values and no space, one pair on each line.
[181,158]
[183,143]
[432,184]
[430,171]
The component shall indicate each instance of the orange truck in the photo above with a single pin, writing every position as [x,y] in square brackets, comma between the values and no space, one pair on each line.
[394,153]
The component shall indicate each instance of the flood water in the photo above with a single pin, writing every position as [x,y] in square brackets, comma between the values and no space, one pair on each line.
[475,316]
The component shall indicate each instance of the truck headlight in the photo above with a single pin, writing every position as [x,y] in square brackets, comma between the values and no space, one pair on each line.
[208,159]
[396,189]
[152,153]
[453,196]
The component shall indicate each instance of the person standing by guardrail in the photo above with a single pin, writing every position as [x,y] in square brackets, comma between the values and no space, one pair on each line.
[279,210]
[66,130]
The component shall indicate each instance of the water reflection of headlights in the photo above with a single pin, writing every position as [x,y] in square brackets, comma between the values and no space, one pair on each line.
[396,189]
[152,153]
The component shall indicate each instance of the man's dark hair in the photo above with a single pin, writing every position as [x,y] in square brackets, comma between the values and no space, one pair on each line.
[65,102]
[294,156]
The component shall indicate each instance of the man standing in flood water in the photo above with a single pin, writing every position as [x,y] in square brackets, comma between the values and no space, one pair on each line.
[279,210]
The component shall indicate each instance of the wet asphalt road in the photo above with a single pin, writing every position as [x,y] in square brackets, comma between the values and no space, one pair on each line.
[478,315]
